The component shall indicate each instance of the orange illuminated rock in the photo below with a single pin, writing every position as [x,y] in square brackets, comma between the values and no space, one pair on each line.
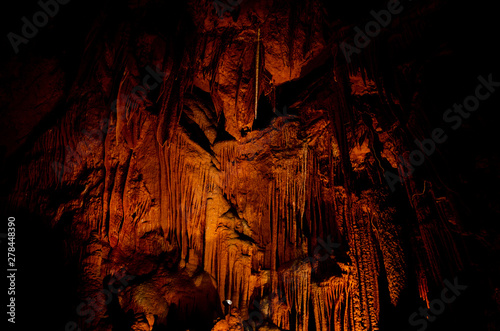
[288,214]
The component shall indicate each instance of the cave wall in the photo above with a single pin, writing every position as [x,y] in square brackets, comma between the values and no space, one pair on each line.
[146,152]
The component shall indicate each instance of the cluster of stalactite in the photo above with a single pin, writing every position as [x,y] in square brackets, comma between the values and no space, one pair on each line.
[246,210]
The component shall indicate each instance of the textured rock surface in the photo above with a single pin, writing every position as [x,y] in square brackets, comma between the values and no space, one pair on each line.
[201,199]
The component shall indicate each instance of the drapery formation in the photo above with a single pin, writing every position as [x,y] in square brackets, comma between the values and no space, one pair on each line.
[184,187]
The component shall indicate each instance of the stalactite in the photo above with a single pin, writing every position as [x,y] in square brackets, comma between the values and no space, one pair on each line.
[230,263]
[186,182]
[363,254]
[435,248]
[257,56]
[295,285]
[334,295]
[304,182]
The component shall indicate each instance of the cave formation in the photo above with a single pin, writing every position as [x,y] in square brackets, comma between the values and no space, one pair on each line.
[242,168]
